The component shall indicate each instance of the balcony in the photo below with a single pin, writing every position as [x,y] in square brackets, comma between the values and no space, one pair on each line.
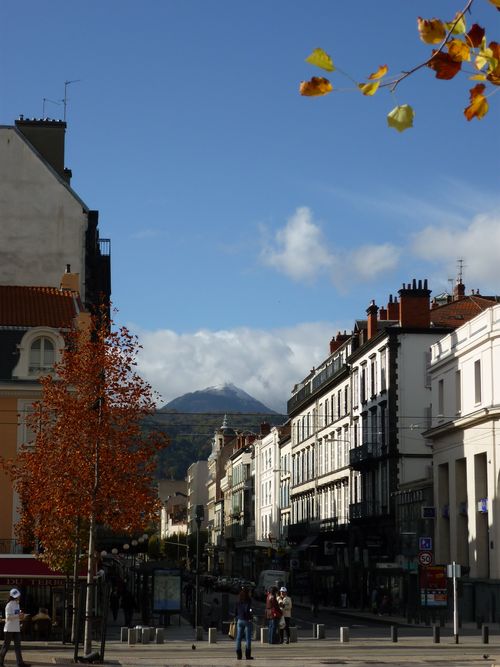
[322,378]
[8,546]
[234,531]
[366,454]
[366,509]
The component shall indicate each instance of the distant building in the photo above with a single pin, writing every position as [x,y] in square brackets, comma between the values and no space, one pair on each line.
[197,492]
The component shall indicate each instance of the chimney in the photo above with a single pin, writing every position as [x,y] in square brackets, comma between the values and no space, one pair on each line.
[459,291]
[334,345]
[338,340]
[414,307]
[372,312]
[265,429]
[70,281]
[47,138]
[393,308]
[382,314]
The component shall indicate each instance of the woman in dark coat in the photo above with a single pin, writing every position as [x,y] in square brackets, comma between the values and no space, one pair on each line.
[243,614]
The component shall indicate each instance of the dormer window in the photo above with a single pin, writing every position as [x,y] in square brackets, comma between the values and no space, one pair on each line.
[42,356]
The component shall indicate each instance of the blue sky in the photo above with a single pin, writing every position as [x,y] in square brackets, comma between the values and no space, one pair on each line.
[249,224]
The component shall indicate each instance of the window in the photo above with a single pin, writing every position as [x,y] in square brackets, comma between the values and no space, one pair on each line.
[327,416]
[373,377]
[42,355]
[362,385]
[458,392]
[477,381]
[355,389]
[383,370]
[441,397]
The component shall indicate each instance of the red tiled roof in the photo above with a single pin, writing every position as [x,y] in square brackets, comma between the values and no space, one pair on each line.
[37,306]
[456,313]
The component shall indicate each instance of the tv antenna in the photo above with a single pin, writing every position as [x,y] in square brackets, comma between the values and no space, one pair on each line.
[65,98]
[46,99]
[460,270]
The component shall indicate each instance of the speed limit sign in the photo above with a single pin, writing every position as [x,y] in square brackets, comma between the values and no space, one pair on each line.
[425,558]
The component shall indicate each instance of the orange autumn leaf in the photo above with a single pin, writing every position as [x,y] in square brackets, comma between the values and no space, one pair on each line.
[493,75]
[381,72]
[475,36]
[478,106]
[458,50]
[432,31]
[444,65]
[496,3]
[317,86]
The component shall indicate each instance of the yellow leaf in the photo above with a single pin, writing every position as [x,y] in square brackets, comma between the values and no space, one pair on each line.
[369,88]
[478,77]
[318,85]
[401,117]
[496,3]
[320,58]
[432,31]
[458,50]
[460,26]
[381,72]
[478,106]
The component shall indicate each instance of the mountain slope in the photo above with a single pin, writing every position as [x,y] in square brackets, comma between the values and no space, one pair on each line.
[221,398]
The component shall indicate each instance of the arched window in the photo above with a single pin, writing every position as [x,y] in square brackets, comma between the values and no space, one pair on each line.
[42,355]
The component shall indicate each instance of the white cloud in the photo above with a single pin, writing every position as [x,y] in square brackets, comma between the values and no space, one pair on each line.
[300,248]
[266,364]
[477,244]
[301,252]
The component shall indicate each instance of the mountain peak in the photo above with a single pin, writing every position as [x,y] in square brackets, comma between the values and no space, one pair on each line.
[218,398]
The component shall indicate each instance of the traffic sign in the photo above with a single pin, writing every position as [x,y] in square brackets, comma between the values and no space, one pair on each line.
[425,558]
[425,543]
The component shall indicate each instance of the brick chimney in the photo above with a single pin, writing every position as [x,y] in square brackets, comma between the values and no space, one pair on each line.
[338,340]
[458,291]
[393,308]
[265,429]
[70,281]
[47,137]
[372,311]
[382,314]
[414,306]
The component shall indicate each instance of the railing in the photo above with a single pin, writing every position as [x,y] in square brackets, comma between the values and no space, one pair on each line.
[365,509]
[105,247]
[316,383]
[367,452]
[234,531]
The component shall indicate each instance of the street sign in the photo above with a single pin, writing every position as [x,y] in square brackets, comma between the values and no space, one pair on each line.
[425,543]
[425,558]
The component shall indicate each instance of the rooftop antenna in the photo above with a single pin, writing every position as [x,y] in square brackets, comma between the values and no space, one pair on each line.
[46,99]
[460,271]
[65,98]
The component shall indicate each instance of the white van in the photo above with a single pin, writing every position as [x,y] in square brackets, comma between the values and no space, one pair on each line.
[269,578]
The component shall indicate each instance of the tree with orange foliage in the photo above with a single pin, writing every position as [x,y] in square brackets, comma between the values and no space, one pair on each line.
[90,463]
[457,46]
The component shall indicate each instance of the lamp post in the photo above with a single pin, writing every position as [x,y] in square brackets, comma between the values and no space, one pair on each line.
[199,516]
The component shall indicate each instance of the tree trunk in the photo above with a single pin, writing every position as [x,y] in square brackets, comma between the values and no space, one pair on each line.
[89,598]
[76,592]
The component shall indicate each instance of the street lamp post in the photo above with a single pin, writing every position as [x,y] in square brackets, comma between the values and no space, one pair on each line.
[199,516]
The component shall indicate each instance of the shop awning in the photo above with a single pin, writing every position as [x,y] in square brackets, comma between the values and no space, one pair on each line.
[26,569]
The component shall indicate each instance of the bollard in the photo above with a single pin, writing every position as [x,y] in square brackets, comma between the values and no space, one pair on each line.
[132,636]
[436,634]
[159,636]
[145,635]
[199,633]
[485,634]
[264,635]
[124,634]
[394,633]
[152,634]
[315,630]
[320,631]
[293,634]
[212,635]
[344,635]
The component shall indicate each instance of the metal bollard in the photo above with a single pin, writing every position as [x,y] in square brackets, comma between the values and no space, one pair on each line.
[320,631]
[293,634]
[145,635]
[212,635]
[264,635]
[132,636]
[199,633]
[485,634]
[394,633]
[159,636]
[152,634]
[436,634]
[124,634]
[315,630]
[344,635]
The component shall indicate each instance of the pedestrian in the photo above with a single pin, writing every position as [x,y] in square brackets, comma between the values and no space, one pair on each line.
[285,603]
[273,615]
[114,603]
[243,615]
[12,628]
[128,604]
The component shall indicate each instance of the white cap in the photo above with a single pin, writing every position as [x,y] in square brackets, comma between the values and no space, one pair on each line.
[282,589]
[14,593]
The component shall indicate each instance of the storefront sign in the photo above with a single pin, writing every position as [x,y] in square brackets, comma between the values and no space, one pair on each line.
[433,586]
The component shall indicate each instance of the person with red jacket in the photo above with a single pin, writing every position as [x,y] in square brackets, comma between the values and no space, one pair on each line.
[273,615]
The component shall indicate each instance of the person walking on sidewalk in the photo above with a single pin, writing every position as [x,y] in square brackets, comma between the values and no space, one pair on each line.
[285,603]
[12,628]
[273,615]
[243,614]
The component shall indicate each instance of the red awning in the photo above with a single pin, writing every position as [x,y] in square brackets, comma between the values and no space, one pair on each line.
[26,567]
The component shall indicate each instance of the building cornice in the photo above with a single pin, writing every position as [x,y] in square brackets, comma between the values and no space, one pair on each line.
[461,423]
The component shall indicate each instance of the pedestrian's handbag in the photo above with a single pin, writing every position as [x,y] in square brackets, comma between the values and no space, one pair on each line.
[282,623]
[275,613]
[232,630]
